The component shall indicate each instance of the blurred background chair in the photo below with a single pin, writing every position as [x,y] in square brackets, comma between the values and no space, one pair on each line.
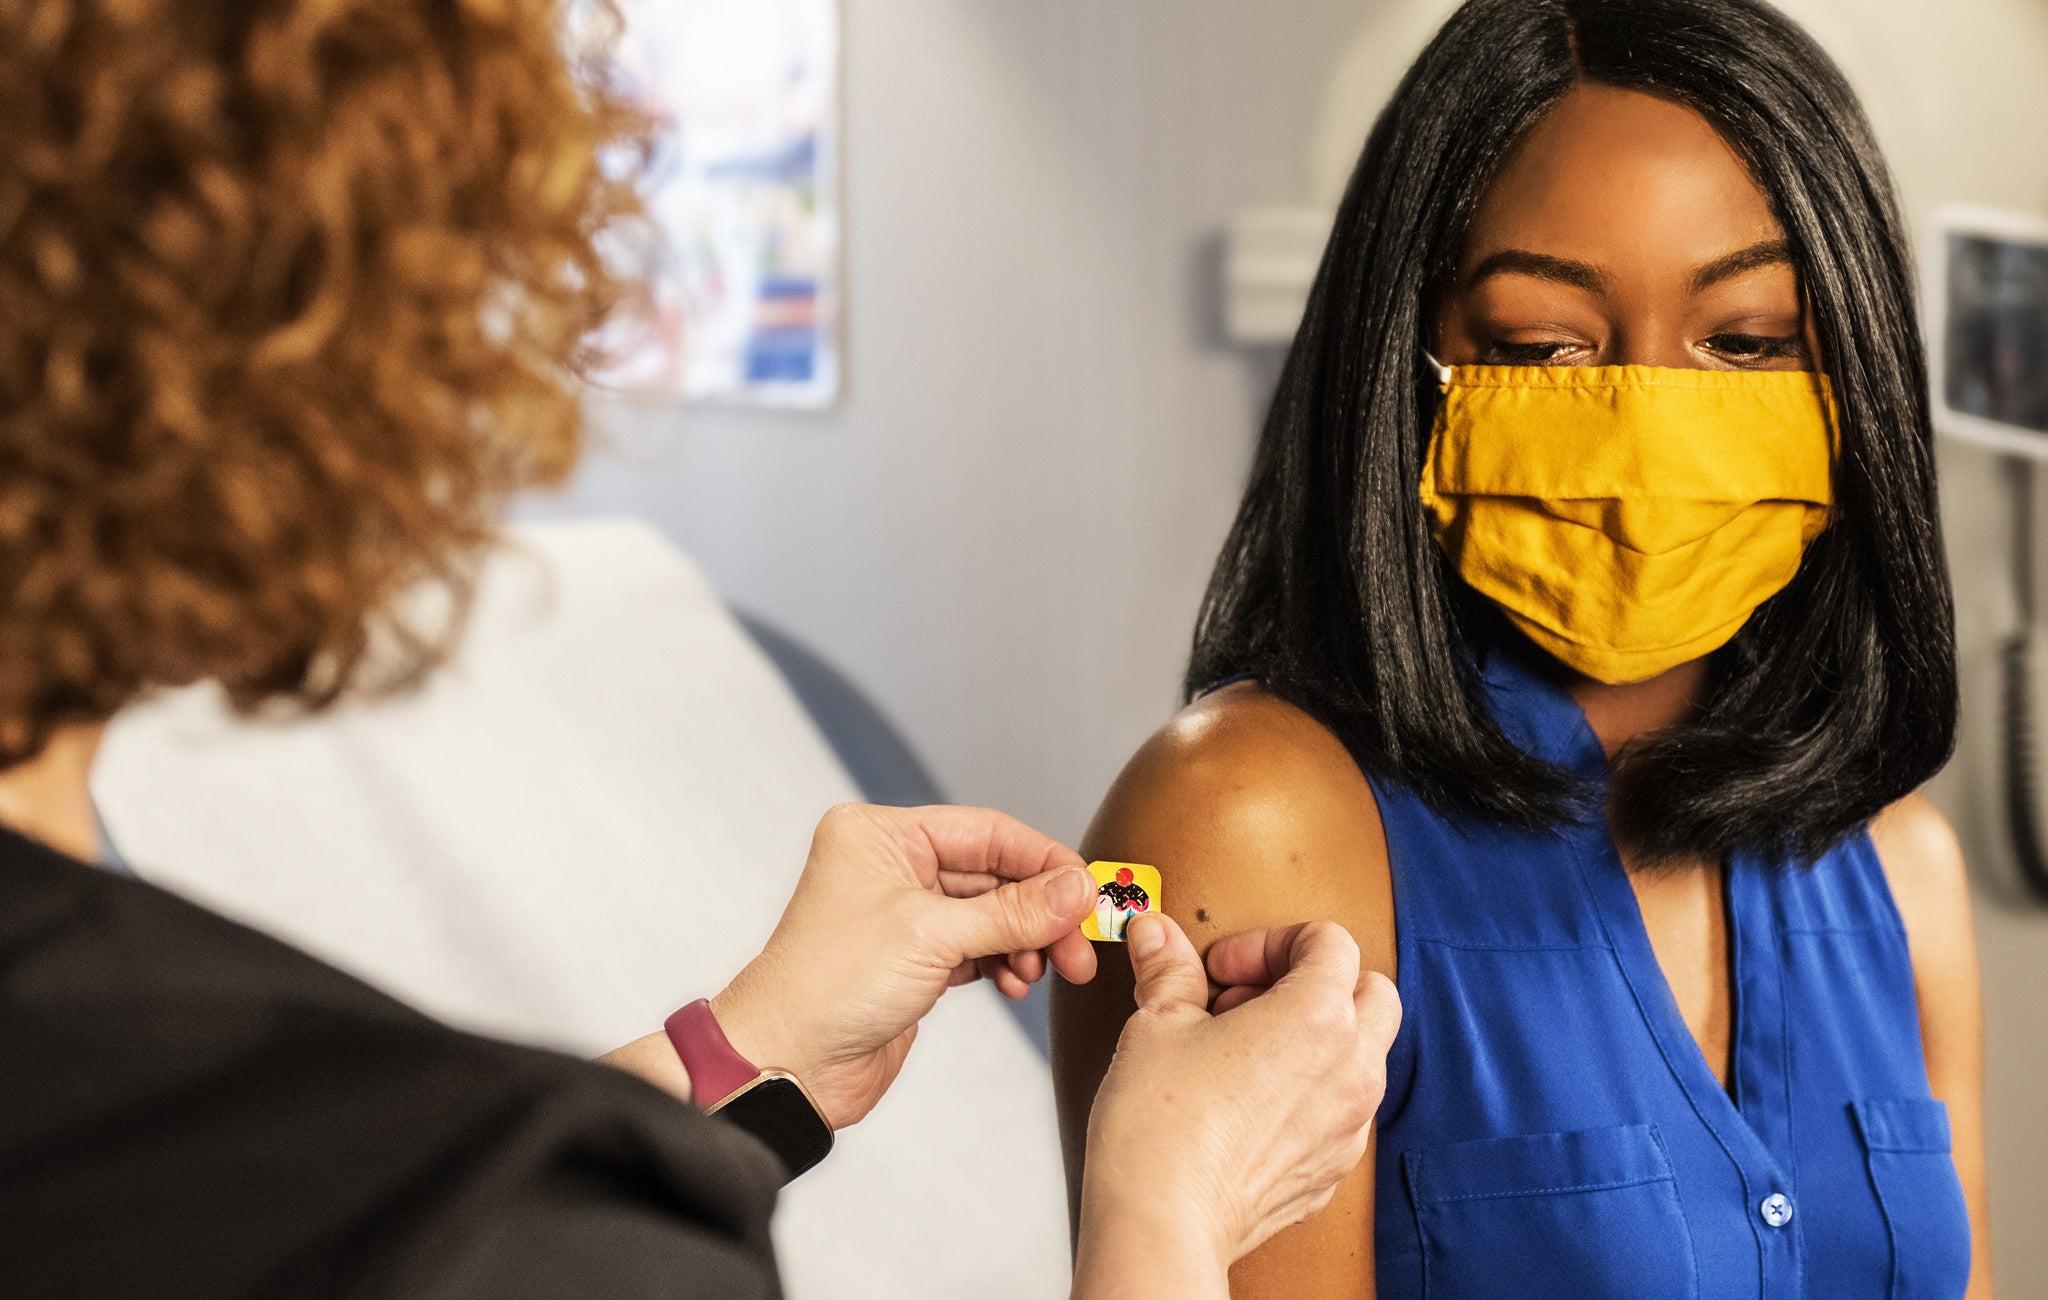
[876,756]
[593,814]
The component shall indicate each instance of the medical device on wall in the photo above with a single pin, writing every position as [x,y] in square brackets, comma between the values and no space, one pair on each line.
[1987,338]
[1987,301]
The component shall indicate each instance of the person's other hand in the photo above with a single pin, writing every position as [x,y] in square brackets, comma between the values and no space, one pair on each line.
[1213,1131]
[894,906]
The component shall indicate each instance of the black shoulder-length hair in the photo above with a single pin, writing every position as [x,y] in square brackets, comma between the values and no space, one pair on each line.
[1838,697]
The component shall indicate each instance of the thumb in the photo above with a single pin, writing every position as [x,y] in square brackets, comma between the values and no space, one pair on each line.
[1166,967]
[1019,916]
[1379,1011]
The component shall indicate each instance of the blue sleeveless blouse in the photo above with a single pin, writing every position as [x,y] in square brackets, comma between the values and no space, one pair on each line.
[1551,1128]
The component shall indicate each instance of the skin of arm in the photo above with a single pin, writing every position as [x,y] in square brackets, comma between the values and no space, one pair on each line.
[1255,816]
[652,1058]
[1924,866]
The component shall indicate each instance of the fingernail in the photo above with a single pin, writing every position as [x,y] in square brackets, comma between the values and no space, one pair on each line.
[1146,935]
[1069,891]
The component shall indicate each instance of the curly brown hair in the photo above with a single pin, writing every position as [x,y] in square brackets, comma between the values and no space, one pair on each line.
[293,295]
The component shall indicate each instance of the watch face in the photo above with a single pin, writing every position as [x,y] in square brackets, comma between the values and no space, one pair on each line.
[774,1109]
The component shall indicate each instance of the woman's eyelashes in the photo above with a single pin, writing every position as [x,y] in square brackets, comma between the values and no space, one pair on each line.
[1753,349]
[1734,348]
[1500,352]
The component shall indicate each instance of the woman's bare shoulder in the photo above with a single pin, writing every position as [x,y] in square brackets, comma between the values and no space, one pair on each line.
[1923,864]
[1255,814]
[1918,847]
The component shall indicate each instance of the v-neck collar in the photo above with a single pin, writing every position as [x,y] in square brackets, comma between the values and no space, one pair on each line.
[1750,1115]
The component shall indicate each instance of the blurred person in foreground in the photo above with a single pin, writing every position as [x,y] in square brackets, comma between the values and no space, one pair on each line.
[293,296]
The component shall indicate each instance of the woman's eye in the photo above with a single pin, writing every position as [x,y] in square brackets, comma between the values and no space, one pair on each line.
[1500,353]
[1757,347]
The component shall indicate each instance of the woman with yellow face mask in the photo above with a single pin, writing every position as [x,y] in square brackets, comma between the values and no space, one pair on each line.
[1581,643]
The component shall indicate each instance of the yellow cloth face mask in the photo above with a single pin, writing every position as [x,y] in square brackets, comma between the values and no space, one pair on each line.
[1629,518]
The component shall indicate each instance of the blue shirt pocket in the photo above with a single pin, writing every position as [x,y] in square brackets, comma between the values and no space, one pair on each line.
[1913,1168]
[1576,1216]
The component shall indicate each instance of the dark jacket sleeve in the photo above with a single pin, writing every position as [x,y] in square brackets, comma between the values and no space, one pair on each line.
[602,1189]
[190,1109]
[593,1186]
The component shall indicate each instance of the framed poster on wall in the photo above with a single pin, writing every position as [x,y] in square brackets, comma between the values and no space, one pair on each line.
[742,188]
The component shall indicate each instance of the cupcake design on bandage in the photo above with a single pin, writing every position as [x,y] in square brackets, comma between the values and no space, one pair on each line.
[1123,889]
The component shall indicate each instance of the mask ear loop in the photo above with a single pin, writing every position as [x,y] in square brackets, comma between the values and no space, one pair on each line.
[1443,372]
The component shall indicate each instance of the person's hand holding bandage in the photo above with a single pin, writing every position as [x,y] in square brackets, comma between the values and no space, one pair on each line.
[1214,1130]
[1211,1131]
[895,905]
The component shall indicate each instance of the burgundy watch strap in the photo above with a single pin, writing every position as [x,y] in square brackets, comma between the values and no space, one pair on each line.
[716,1070]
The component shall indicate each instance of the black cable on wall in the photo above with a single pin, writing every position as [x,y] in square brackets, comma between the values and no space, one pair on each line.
[2022,784]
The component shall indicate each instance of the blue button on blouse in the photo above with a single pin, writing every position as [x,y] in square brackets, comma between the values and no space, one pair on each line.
[1551,1128]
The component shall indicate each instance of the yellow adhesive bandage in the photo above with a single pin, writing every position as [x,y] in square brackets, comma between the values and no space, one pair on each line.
[1122,890]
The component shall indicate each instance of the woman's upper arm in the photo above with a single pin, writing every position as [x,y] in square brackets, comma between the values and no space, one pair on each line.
[1924,866]
[1255,816]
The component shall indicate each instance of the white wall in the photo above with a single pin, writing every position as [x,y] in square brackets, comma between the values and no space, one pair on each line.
[1004,530]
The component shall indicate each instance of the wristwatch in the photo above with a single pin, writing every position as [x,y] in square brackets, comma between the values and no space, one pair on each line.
[769,1103]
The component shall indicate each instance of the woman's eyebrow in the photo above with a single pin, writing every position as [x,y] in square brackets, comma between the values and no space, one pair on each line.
[1520,261]
[1770,252]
